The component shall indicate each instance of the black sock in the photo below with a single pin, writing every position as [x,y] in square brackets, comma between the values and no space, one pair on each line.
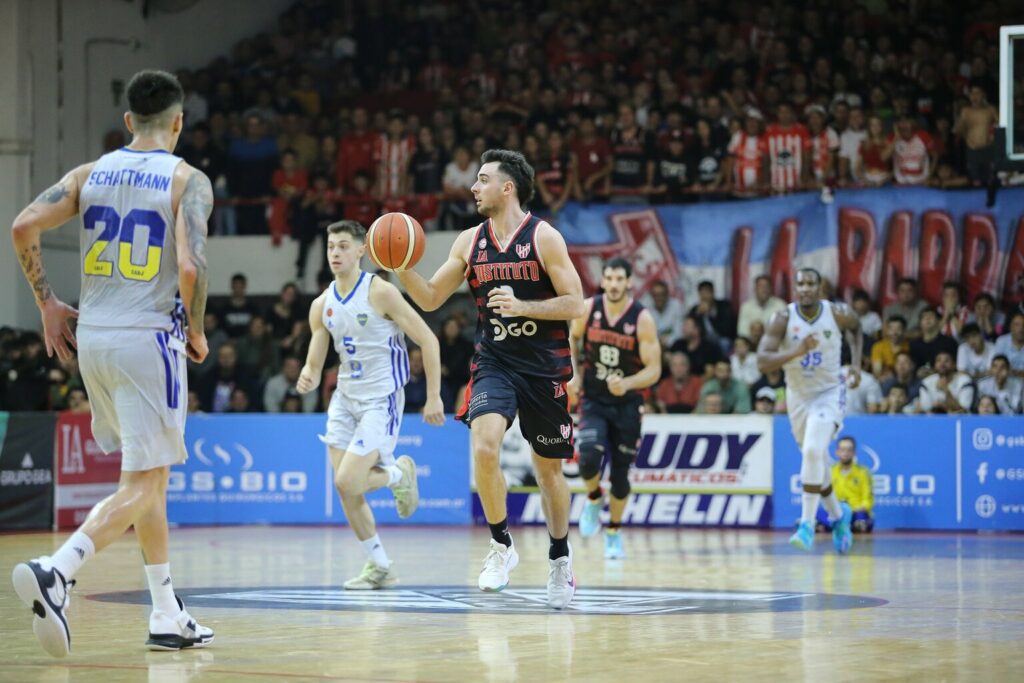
[614,526]
[596,494]
[559,547]
[499,532]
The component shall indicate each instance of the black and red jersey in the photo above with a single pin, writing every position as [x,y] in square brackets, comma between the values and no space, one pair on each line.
[532,347]
[610,347]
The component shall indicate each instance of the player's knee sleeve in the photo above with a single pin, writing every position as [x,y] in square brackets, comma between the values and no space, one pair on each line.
[591,453]
[619,476]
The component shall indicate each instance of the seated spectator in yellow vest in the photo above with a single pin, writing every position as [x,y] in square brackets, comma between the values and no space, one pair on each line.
[735,394]
[883,352]
[853,486]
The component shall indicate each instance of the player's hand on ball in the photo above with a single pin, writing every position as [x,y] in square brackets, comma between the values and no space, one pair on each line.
[433,411]
[504,302]
[616,387]
[854,378]
[308,380]
[809,343]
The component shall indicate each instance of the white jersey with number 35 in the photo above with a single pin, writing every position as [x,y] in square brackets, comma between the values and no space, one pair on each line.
[371,348]
[820,369]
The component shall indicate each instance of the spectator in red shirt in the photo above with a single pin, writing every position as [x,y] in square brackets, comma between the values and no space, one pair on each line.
[913,158]
[787,145]
[594,160]
[391,155]
[824,147]
[355,150]
[874,163]
[289,182]
[680,391]
[746,165]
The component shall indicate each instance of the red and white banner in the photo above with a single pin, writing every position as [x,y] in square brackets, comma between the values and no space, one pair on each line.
[85,475]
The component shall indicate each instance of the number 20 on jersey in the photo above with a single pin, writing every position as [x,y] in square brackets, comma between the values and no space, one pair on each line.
[124,231]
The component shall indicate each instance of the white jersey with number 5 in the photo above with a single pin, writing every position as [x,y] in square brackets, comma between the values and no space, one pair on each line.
[129,257]
[374,360]
[819,370]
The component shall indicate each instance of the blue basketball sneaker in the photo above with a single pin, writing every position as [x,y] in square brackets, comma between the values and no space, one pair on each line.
[804,536]
[613,546]
[842,537]
[590,520]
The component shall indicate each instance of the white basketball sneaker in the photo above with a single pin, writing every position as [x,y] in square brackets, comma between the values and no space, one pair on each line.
[47,593]
[373,577]
[498,564]
[561,582]
[177,631]
[406,491]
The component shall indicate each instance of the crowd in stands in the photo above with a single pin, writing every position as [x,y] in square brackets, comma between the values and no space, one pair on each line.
[347,109]
[923,359]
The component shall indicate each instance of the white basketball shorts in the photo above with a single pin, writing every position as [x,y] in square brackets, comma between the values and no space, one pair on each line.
[364,426]
[828,406]
[137,387]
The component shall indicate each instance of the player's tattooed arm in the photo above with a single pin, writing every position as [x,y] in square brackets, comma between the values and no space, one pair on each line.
[51,209]
[193,213]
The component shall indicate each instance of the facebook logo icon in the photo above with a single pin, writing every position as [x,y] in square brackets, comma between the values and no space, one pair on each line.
[982,472]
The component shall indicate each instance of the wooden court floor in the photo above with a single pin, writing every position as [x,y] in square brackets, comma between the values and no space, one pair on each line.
[685,605]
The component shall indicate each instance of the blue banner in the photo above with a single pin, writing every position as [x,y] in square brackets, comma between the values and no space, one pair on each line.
[858,239]
[929,472]
[992,459]
[272,469]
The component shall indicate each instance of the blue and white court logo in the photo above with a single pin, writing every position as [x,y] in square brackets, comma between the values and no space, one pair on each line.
[466,600]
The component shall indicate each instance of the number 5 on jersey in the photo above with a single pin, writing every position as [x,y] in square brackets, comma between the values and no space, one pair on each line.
[124,230]
[355,366]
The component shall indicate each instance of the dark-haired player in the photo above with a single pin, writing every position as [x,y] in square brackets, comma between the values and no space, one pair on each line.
[526,291]
[621,355]
[143,298]
[805,340]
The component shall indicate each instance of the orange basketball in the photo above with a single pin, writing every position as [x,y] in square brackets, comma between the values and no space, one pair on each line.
[395,242]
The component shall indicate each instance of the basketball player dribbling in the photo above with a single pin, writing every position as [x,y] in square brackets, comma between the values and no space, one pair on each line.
[621,355]
[143,298]
[368,319]
[526,291]
[804,340]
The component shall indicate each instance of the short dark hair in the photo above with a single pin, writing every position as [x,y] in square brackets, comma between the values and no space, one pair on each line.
[897,319]
[353,228]
[847,437]
[238,277]
[950,284]
[817,275]
[151,93]
[617,262]
[1001,356]
[705,284]
[984,296]
[929,309]
[907,281]
[514,165]
[969,329]
[861,295]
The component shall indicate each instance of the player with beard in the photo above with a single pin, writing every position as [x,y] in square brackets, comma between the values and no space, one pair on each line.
[805,341]
[621,355]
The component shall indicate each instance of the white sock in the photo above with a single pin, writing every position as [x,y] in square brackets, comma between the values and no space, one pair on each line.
[810,507]
[75,552]
[374,550]
[160,588]
[831,505]
[394,474]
